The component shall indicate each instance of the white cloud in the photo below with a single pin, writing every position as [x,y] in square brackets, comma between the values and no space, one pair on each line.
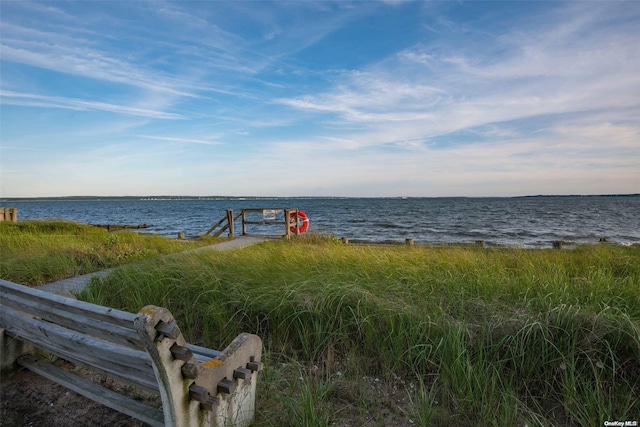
[86,63]
[233,93]
[557,67]
[181,139]
[42,101]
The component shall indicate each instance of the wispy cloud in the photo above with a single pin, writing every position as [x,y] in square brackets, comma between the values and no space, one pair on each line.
[181,140]
[355,98]
[43,101]
[418,94]
[88,63]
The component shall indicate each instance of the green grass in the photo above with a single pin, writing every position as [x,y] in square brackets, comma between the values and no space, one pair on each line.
[363,335]
[37,252]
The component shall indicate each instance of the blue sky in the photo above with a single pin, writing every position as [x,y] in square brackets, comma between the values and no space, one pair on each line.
[366,98]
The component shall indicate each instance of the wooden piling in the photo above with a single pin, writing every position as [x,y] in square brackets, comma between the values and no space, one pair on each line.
[408,242]
[345,240]
[557,244]
[9,214]
[244,222]
[287,223]
[230,222]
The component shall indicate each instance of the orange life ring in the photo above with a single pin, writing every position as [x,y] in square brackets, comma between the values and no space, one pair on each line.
[304,221]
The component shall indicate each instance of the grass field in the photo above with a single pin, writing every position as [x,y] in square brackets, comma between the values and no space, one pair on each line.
[37,252]
[364,335]
[389,336]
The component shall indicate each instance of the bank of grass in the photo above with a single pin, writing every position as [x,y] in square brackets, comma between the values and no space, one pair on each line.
[37,252]
[363,335]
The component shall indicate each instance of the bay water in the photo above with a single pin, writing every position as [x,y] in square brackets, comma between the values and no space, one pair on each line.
[530,222]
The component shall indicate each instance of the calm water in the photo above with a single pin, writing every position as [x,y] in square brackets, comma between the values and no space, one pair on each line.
[522,222]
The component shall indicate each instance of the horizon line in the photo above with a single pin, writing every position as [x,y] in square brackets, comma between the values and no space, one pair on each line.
[220,197]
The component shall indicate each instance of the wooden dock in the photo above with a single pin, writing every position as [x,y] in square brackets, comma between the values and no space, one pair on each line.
[293,220]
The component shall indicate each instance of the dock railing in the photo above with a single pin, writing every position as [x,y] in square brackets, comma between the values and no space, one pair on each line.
[226,223]
[291,221]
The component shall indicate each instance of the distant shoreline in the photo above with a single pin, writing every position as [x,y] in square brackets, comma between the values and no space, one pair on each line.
[240,198]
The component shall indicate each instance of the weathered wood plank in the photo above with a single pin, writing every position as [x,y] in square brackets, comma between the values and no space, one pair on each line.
[264,222]
[98,312]
[216,225]
[222,230]
[74,321]
[101,339]
[231,223]
[203,354]
[113,400]
[120,361]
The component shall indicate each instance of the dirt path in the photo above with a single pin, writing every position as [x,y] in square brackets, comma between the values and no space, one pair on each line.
[76,284]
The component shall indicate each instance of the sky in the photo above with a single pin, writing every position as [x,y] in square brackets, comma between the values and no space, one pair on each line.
[319,98]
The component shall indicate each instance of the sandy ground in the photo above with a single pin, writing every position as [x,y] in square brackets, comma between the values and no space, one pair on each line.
[31,400]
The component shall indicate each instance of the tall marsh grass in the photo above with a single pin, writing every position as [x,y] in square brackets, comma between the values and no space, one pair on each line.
[469,336]
[37,252]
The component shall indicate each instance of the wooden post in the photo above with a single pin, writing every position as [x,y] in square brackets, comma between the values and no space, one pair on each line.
[297,222]
[409,242]
[557,244]
[181,235]
[287,223]
[244,225]
[11,348]
[345,240]
[480,243]
[230,221]
[9,214]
